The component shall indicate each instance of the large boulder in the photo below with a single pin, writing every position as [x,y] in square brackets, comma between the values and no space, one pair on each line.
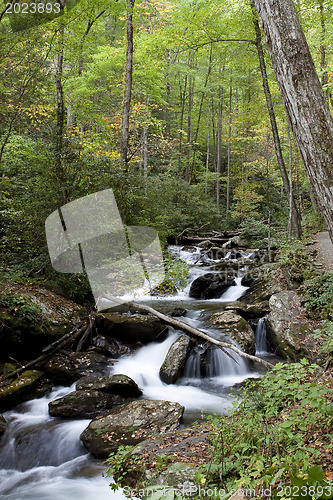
[211,285]
[130,424]
[236,327]
[288,328]
[111,384]
[33,317]
[19,389]
[268,280]
[84,404]
[66,368]
[136,328]
[175,359]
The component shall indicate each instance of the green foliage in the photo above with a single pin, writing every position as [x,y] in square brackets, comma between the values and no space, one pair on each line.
[176,273]
[325,336]
[277,435]
[116,463]
[21,306]
[318,296]
[295,259]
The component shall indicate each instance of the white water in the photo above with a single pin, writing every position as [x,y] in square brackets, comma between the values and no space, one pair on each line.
[260,336]
[42,458]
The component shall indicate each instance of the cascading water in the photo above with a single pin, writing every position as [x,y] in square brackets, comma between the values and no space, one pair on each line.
[43,458]
[260,336]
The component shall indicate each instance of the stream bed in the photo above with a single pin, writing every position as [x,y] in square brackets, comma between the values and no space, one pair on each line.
[42,458]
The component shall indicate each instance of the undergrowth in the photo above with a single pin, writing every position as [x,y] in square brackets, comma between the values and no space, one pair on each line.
[280,437]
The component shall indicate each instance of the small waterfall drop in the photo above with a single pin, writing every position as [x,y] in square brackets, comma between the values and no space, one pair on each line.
[260,336]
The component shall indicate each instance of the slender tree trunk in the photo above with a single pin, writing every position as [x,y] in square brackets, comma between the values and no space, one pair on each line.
[290,185]
[145,153]
[229,150]
[219,144]
[323,61]
[296,222]
[207,153]
[182,102]
[200,107]
[59,136]
[189,128]
[124,139]
[303,97]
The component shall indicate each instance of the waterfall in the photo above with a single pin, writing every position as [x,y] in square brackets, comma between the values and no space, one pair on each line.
[260,336]
[43,457]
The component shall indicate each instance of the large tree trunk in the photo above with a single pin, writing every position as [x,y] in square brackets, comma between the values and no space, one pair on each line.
[303,97]
[128,85]
[295,216]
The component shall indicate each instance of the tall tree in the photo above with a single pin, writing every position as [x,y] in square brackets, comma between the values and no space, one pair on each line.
[128,84]
[294,213]
[303,97]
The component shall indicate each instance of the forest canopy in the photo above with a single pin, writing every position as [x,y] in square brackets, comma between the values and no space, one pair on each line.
[201,146]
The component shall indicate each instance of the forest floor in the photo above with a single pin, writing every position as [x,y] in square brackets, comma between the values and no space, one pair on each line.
[325,249]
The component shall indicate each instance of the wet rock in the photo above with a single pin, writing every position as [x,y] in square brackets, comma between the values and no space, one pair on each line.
[111,384]
[175,359]
[267,281]
[130,328]
[112,347]
[287,332]
[236,327]
[84,404]
[178,312]
[66,368]
[3,425]
[205,244]
[249,311]
[130,424]
[247,279]
[19,389]
[211,285]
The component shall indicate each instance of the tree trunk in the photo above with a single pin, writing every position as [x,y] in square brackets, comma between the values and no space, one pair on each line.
[296,221]
[189,128]
[207,153]
[60,106]
[219,143]
[229,151]
[303,97]
[124,139]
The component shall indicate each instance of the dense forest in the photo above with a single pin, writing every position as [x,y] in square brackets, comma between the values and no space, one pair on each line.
[209,120]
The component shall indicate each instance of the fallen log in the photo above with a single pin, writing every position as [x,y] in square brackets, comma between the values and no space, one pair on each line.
[187,328]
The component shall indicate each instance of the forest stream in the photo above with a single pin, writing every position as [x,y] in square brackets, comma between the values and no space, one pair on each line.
[42,457]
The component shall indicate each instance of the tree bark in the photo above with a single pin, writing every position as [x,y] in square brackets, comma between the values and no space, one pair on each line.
[128,85]
[60,108]
[302,96]
[229,151]
[296,220]
[219,144]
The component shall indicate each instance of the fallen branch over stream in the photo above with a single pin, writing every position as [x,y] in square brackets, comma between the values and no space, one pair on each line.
[187,328]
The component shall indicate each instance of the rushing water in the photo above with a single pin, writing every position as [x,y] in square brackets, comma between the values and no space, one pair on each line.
[42,458]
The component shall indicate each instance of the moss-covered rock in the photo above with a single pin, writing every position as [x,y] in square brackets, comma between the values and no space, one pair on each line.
[236,327]
[129,424]
[19,389]
[136,328]
[31,318]
[3,425]
[288,328]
